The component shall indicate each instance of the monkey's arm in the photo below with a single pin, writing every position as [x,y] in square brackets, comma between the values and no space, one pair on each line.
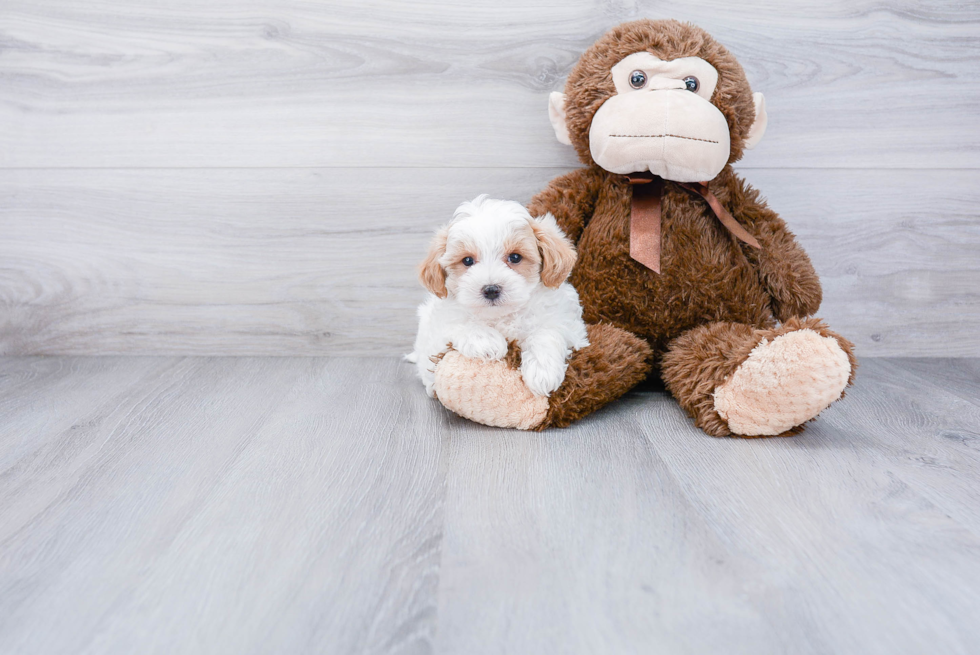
[784,268]
[571,199]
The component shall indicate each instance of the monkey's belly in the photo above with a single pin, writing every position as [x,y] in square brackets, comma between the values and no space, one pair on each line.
[704,277]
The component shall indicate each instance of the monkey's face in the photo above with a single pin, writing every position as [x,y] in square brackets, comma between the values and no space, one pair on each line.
[660,115]
[661,120]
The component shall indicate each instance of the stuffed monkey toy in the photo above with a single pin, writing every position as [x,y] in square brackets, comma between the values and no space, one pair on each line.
[682,270]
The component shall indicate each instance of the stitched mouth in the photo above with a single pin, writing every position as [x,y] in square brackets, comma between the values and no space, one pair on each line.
[659,136]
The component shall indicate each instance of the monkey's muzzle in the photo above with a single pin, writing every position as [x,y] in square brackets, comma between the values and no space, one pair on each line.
[672,133]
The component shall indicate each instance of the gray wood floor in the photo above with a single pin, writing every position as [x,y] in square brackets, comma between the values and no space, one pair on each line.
[303,505]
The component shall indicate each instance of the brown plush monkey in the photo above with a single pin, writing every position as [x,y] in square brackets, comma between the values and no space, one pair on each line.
[682,268]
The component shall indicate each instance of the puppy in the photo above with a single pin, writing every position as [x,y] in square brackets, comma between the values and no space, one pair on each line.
[496,275]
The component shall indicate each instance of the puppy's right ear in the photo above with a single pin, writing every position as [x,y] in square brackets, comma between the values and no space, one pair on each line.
[431,273]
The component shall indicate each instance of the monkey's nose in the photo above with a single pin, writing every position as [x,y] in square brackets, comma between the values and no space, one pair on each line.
[658,83]
[491,292]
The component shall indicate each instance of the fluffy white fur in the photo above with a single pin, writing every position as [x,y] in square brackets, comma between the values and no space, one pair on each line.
[545,321]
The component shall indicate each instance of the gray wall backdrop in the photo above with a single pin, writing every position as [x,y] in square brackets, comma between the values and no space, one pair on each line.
[262,176]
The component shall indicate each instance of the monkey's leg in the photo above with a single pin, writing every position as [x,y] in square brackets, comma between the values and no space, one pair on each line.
[736,379]
[614,362]
[493,393]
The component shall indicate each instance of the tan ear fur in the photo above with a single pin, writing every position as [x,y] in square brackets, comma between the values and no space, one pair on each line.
[557,252]
[431,273]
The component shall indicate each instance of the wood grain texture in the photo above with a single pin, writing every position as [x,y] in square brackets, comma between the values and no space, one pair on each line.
[296,83]
[260,178]
[197,505]
[321,261]
[828,543]
[301,505]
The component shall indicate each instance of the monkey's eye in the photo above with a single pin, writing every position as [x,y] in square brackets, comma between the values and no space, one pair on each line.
[692,83]
[638,79]
[467,261]
[514,258]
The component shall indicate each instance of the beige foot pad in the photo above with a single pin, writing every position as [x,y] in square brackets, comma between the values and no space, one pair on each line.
[490,393]
[783,383]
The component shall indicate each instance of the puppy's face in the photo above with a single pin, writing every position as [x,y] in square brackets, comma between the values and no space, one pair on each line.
[491,261]
[493,254]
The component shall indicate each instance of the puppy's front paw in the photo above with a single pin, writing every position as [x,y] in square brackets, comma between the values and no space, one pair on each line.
[483,344]
[542,379]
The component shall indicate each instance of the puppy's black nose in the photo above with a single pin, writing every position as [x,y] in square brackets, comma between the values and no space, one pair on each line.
[491,292]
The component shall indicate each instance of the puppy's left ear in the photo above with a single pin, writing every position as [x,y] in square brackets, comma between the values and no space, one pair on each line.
[557,252]
[431,273]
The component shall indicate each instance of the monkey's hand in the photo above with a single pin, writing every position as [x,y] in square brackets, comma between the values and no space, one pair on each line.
[792,283]
[784,268]
[570,199]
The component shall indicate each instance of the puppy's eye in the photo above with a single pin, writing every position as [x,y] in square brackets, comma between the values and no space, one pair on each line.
[467,261]
[514,258]
[692,83]
[638,79]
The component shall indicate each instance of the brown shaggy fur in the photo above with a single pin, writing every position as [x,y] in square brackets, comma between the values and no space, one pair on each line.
[706,275]
[614,362]
[713,293]
[701,359]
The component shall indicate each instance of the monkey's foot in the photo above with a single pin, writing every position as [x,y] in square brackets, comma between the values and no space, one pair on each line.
[784,382]
[733,378]
[494,393]
[488,392]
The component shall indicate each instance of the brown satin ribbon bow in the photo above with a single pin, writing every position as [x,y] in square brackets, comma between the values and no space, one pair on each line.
[648,191]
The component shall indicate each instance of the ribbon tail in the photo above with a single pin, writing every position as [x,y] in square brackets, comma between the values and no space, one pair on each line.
[645,213]
[722,214]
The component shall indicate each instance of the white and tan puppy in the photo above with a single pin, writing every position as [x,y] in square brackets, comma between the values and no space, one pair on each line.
[496,275]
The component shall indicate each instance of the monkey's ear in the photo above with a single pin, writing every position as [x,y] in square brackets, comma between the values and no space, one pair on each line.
[431,273]
[557,252]
[759,125]
[556,112]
